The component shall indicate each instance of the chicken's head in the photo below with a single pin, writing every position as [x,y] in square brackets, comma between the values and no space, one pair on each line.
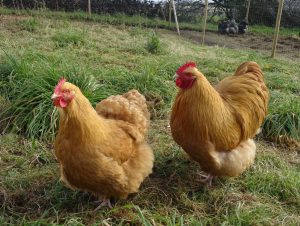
[184,78]
[63,94]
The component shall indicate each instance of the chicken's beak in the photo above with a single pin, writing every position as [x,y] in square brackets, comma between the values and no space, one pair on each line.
[54,96]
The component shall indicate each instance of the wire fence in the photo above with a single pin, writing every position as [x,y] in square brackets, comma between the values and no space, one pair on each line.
[249,27]
[248,24]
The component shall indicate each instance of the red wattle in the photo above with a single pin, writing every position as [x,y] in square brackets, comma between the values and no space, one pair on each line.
[63,103]
[185,83]
[178,82]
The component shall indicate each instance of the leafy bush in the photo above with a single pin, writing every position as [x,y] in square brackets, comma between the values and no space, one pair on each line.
[71,36]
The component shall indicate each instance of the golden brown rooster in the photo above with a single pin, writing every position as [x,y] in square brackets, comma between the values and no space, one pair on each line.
[104,153]
[215,125]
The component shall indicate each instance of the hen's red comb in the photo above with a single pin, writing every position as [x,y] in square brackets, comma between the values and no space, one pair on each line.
[59,85]
[185,66]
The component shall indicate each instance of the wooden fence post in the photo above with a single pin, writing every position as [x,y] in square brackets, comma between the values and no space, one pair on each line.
[175,16]
[204,24]
[170,13]
[277,27]
[247,12]
[89,9]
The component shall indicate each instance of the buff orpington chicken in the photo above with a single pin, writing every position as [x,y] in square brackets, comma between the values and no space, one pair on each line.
[102,151]
[216,125]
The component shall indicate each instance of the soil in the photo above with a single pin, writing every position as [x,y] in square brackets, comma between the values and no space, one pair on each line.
[287,46]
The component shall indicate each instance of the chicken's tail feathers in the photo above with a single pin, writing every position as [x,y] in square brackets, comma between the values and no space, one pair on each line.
[250,67]
[130,107]
[136,98]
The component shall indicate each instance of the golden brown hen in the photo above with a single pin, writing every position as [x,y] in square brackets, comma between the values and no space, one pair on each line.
[106,153]
[215,125]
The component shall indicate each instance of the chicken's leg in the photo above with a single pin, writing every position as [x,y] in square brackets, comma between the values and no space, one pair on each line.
[103,202]
[206,178]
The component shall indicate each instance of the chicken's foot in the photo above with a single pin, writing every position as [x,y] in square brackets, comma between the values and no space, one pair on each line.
[206,178]
[103,202]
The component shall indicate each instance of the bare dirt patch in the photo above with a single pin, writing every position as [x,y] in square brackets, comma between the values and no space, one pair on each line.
[287,46]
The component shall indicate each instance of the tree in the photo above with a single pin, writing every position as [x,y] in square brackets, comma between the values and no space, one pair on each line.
[229,7]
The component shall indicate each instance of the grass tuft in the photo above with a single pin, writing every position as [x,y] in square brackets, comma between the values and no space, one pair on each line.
[29,24]
[154,44]
[28,85]
[282,125]
[28,88]
[69,37]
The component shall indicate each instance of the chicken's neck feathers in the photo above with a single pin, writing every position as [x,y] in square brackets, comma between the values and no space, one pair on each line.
[204,96]
[81,119]
[203,107]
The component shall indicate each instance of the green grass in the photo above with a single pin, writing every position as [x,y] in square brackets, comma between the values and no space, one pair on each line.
[30,104]
[116,19]
[153,44]
[267,31]
[111,60]
[283,121]
[69,37]
[266,194]
[140,21]
[30,24]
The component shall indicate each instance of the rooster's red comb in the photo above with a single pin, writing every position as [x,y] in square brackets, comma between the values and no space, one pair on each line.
[185,66]
[59,85]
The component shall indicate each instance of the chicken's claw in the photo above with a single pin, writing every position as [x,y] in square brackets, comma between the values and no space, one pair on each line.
[103,202]
[206,178]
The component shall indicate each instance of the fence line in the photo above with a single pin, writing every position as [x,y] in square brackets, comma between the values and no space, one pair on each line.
[205,19]
[247,12]
[175,16]
[89,9]
[272,45]
[276,33]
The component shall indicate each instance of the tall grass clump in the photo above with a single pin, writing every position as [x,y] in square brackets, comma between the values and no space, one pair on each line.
[154,45]
[29,83]
[30,24]
[283,122]
[28,88]
[69,37]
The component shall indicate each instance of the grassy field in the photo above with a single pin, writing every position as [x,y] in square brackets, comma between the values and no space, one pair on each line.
[140,21]
[116,19]
[105,60]
[269,31]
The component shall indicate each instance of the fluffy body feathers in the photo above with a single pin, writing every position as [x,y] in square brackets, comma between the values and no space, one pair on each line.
[104,153]
[215,125]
